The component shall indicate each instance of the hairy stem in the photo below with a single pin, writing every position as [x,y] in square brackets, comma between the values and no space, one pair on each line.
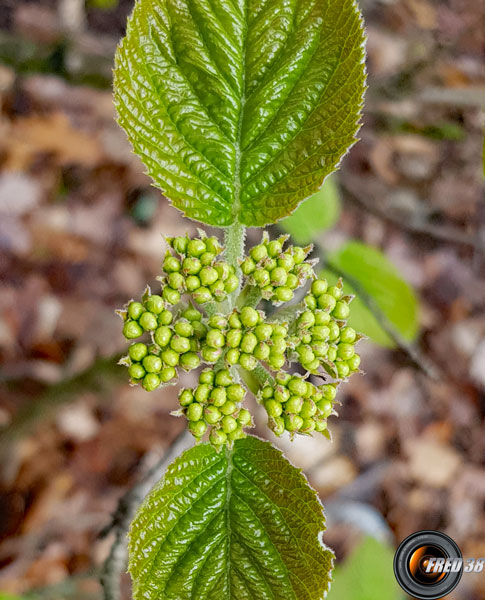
[250,296]
[234,237]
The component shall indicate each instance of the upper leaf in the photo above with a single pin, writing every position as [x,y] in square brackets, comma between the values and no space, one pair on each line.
[239,524]
[240,108]
[368,270]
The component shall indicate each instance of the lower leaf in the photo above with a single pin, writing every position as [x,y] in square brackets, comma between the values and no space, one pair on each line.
[238,524]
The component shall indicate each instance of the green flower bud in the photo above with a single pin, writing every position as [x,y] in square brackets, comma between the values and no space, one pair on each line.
[132,330]
[208,276]
[262,351]
[248,362]
[258,253]
[171,264]
[354,362]
[192,314]
[151,382]
[304,271]
[196,248]
[299,254]
[189,361]
[283,378]
[308,426]
[223,378]
[176,281]
[278,343]
[279,276]
[343,369]
[249,317]
[211,355]
[308,409]
[213,245]
[167,374]
[293,422]
[326,302]
[165,318]
[297,386]
[276,361]
[232,356]
[152,364]
[200,330]
[136,371]
[228,408]
[347,335]
[138,351]
[217,437]
[192,283]
[207,259]
[180,344]
[335,291]
[170,295]
[223,270]
[341,311]
[292,282]
[267,392]
[263,332]
[135,310]
[218,396]
[215,338]
[320,424]
[270,264]
[229,424]
[207,376]
[332,353]
[320,349]
[218,322]
[280,330]
[345,351]
[231,284]
[306,354]
[310,302]
[191,266]
[235,321]
[320,332]
[277,425]
[283,294]
[179,244]
[286,262]
[274,248]
[306,339]
[233,338]
[244,418]
[202,295]
[282,394]
[334,331]
[212,414]
[322,317]
[325,407]
[319,287]
[155,304]
[197,428]
[183,328]
[170,358]
[261,277]
[248,266]
[306,319]
[249,342]
[273,408]
[236,392]
[202,393]
[294,405]
[186,397]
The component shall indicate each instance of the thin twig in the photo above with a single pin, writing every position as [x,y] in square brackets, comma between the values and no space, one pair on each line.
[128,504]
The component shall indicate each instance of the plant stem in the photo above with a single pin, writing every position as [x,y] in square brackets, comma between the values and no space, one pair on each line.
[234,237]
[250,296]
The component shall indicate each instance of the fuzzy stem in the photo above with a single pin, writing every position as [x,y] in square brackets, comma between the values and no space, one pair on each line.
[234,237]
[250,296]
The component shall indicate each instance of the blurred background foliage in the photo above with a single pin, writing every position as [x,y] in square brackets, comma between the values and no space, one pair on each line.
[403,221]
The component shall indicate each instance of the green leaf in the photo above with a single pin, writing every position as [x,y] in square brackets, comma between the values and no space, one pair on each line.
[367,574]
[318,213]
[240,108]
[369,274]
[239,524]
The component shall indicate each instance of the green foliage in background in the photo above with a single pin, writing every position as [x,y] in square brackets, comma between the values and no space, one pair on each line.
[315,215]
[367,574]
[237,524]
[240,110]
[368,269]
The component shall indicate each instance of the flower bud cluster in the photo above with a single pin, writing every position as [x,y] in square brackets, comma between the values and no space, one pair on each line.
[175,341]
[275,271]
[215,405]
[296,405]
[247,339]
[322,335]
[192,266]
